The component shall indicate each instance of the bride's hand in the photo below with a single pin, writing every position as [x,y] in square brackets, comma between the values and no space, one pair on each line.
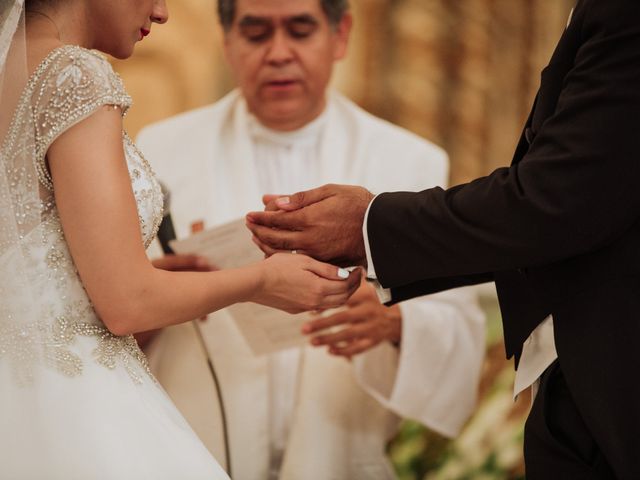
[296,283]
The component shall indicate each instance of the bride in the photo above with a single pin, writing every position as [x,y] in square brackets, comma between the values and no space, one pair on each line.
[78,205]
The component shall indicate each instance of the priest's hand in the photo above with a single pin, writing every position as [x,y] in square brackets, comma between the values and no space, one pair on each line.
[361,326]
[324,223]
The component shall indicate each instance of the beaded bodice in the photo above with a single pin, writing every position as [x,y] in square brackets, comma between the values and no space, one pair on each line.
[68,86]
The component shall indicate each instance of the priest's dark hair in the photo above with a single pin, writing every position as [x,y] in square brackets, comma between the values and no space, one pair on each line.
[333,9]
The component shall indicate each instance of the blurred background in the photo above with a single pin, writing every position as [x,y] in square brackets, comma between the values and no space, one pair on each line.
[462,73]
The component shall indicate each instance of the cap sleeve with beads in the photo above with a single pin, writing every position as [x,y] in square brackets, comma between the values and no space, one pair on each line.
[70,84]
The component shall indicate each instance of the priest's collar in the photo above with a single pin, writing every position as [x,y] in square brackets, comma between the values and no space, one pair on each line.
[308,134]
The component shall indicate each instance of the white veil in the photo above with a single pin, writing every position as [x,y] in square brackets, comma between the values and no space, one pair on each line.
[10,15]
[21,346]
[24,345]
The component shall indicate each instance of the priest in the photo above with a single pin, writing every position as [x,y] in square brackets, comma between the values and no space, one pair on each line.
[325,411]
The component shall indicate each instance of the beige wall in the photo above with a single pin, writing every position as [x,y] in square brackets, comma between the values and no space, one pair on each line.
[176,68]
[460,72]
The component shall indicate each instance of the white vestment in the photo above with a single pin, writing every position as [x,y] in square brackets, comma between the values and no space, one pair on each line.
[342,413]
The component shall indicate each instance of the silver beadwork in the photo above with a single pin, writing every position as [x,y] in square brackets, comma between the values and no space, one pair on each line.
[68,86]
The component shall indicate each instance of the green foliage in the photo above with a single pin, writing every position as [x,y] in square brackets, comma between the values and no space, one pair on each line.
[490,445]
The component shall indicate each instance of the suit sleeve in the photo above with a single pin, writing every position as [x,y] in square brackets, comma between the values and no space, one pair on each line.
[572,193]
[436,385]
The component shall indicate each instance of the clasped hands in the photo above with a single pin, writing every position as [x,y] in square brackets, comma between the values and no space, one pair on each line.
[326,223]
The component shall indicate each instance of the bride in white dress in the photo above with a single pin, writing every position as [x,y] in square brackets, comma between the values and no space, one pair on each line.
[78,205]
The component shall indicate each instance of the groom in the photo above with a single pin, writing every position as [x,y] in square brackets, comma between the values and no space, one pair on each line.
[558,230]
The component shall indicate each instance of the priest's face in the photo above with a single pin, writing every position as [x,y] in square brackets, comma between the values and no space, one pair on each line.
[281,53]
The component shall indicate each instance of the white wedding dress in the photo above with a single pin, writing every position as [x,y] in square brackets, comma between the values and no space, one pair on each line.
[77,402]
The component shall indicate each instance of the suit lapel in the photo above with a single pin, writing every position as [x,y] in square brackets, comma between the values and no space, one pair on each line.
[551,82]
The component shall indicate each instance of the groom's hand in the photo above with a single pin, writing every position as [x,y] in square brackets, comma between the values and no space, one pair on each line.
[324,223]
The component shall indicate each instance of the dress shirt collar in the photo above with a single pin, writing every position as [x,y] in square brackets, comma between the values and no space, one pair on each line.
[302,136]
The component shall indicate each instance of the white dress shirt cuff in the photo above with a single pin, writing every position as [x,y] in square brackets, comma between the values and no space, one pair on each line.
[384,294]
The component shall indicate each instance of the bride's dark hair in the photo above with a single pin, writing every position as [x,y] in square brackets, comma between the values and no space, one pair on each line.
[30,4]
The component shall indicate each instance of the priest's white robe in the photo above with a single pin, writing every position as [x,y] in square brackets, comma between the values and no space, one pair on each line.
[343,412]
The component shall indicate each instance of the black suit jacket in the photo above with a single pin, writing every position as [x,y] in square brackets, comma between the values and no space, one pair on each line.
[558,230]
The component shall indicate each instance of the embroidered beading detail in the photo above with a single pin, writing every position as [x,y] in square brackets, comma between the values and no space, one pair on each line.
[24,346]
[69,84]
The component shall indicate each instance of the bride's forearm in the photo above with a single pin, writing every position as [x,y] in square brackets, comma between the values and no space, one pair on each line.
[151,298]
[159,298]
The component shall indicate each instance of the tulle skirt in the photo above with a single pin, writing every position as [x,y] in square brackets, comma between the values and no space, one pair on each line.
[99,424]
